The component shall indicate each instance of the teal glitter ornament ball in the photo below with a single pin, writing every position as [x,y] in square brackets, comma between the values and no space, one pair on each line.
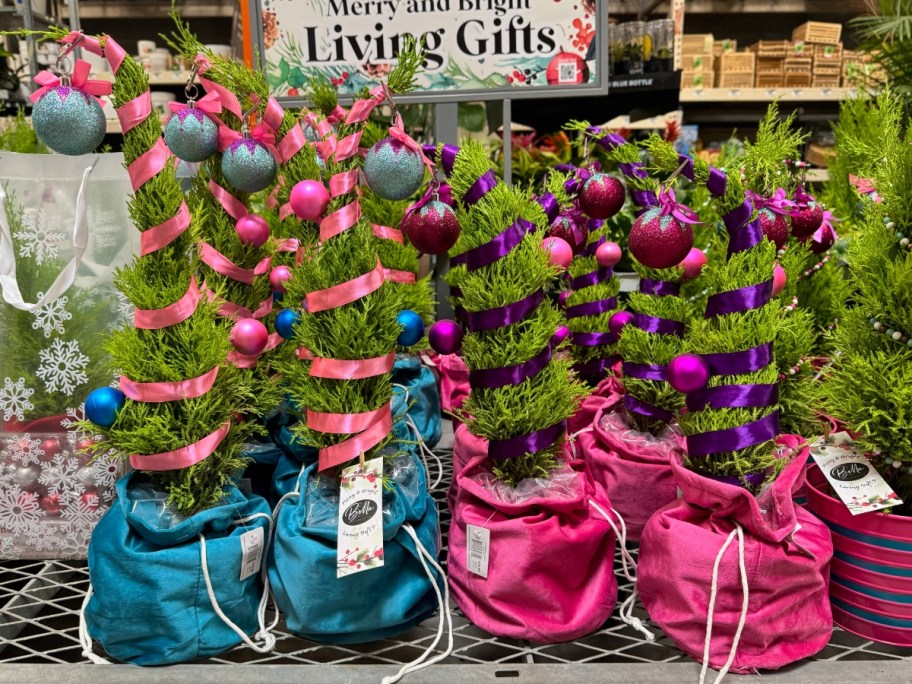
[248,165]
[69,121]
[191,135]
[103,404]
[393,171]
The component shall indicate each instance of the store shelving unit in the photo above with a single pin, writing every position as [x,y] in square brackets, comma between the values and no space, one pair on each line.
[764,95]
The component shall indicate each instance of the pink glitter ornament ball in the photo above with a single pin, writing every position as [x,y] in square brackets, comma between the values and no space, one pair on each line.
[602,196]
[432,228]
[659,241]
[778,280]
[775,226]
[806,220]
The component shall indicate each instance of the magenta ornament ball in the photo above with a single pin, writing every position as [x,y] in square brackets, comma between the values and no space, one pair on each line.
[278,277]
[561,334]
[253,230]
[309,199]
[659,241]
[618,321]
[432,228]
[602,196]
[693,263]
[826,239]
[779,279]
[445,337]
[560,254]
[562,298]
[608,254]
[249,336]
[688,373]
[806,220]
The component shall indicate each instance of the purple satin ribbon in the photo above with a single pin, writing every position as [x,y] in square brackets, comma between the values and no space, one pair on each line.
[736,438]
[688,164]
[716,182]
[502,449]
[733,220]
[448,158]
[644,409]
[455,291]
[589,250]
[498,317]
[742,299]
[662,326]
[480,188]
[493,378]
[645,371]
[596,367]
[644,199]
[565,168]
[660,288]
[740,362]
[745,238]
[599,306]
[600,275]
[572,186]
[592,339]
[549,205]
[754,479]
[496,248]
[733,396]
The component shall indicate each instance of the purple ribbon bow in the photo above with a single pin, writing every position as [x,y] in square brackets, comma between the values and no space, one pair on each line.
[778,203]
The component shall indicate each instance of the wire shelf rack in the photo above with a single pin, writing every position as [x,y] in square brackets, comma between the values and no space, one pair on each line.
[39,618]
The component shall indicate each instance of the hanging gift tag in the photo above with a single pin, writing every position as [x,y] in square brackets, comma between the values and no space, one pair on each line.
[251,552]
[853,478]
[478,550]
[360,545]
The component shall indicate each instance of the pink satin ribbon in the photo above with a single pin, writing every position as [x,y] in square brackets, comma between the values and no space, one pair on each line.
[778,203]
[229,309]
[304,354]
[159,392]
[78,79]
[273,114]
[165,233]
[149,164]
[340,220]
[229,100]
[337,115]
[132,113]
[245,361]
[343,183]
[219,263]
[183,457]
[89,43]
[347,292]
[181,310]
[340,369]
[346,147]
[285,211]
[361,109]
[114,53]
[670,207]
[404,277]
[351,448]
[344,423]
[387,233]
[210,104]
[325,148]
[288,245]
[231,204]
[261,133]
[292,143]
[397,132]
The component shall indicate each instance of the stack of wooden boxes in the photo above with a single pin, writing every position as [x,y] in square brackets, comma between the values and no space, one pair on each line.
[697,61]
[859,70]
[771,56]
[822,43]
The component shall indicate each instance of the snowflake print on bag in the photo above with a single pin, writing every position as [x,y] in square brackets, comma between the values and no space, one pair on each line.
[18,510]
[14,399]
[106,469]
[82,513]
[63,366]
[51,317]
[60,476]
[25,449]
[36,238]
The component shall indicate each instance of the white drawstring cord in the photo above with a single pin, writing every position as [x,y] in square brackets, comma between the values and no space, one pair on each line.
[572,438]
[84,639]
[742,570]
[267,638]
[422,450]
[446,617]
[625,610]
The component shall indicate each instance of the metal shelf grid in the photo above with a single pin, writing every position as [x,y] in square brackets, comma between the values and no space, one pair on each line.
[39,616]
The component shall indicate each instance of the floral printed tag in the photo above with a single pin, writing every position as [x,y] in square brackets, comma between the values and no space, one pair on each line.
[360,538]
[858,484]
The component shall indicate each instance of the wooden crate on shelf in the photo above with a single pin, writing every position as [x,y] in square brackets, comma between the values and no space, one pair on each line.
[859,70]
[698,62]
[825,80]
[735,79]
[771,48]
[770,79]
[798,48]
[737,62]
[818,32]
[825,55]
[797,72]
[697,79]
[724,46]
[697,43]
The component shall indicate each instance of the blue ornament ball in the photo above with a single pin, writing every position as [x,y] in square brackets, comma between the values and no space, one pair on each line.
[393,171]
[103,404]
[277,296]
[412,328]
[191,135]
[285,322]
[69,121]
[248,165]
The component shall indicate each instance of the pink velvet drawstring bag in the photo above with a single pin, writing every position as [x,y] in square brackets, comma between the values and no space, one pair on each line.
[782,595]
[633,468]
[550,574]
[466,447]
[454,382]
[608,392]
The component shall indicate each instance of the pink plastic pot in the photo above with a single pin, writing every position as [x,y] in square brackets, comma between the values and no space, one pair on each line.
[871,587]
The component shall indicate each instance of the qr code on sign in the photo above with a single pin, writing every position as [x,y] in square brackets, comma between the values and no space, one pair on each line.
[566,73]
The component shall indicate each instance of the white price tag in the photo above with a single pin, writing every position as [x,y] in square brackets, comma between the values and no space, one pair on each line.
[251,552]
[478,549]
[853,478]
[360,538]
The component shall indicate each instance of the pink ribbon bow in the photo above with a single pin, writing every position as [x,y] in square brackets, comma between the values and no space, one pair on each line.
[211,103]
[778,203]
[436,191]
[397,132]
[827,224]
[865,186]
[668,206]
[261,133]
[79,79]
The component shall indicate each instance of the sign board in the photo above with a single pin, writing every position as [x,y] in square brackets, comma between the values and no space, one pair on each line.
[475,49]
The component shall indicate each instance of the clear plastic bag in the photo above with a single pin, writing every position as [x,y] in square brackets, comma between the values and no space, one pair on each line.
[562,483]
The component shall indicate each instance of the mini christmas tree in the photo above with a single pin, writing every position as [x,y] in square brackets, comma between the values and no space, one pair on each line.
[870,384]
